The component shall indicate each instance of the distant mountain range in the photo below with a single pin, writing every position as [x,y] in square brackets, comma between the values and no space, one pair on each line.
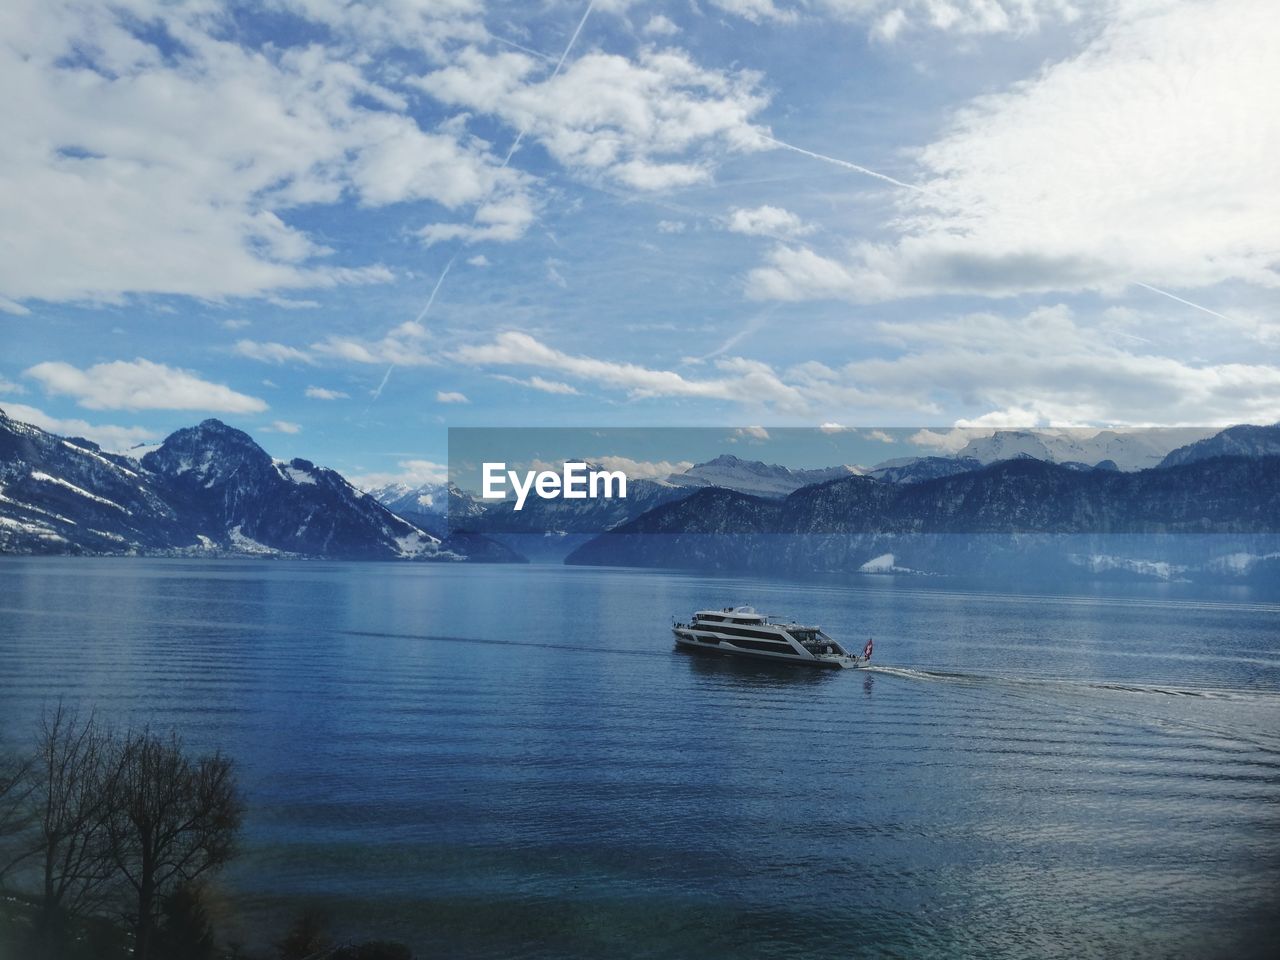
[1011,502]
[1086,488]
[208,490]
[1200,515]
[755,477]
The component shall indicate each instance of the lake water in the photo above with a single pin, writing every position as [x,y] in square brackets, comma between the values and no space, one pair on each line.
[513,761]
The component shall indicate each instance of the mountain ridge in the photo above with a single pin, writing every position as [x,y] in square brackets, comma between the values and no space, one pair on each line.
[207,490]
[973,520]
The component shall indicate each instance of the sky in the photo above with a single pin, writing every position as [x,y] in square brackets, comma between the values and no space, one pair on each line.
[347,226]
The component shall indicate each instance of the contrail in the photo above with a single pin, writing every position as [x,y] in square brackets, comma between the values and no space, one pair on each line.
[511,43]
[574,39]
[436,289]
[515,144]
[418,319]
[1166,293]
[385,377]
[751,326]
[840,163]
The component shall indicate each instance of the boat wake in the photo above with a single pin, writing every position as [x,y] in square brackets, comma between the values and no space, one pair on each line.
[1064,683]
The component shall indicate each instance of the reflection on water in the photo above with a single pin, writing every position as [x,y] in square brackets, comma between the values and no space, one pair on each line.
[490,762]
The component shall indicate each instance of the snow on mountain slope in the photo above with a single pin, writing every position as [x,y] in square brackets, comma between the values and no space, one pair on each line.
[67,495]
[230,483]
[1244,440]
[1128,449]
[207,490]
[755,477]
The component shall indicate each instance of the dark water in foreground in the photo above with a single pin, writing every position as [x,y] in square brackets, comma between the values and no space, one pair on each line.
[491,762]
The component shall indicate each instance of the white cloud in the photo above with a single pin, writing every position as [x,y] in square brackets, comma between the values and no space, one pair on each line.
[479,260]
[757,11]
[550,386]
[10,388]
[402,346]
[880,436]
[323,393]
[502,219]
[290,303]
[767,221]
[283,426]
[451,396]
[1018,197]
[413,473]
[660,26]
[950,442]
[649,123]
[672,226]
[271,352]
[1049,364]
[746,381]
[798,273]
[832,427]
[106,435]
[890,18]
[752,433]
[140,385]
[538,383]
[135,166]
[429,25]
[1054,368]
[237,324]
[642,469]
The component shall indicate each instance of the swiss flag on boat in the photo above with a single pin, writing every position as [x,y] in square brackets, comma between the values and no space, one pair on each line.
[866,651]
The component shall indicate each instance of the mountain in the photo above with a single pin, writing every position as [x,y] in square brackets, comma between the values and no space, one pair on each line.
[915,469]
[426,505]
[1012,517]
[1240,441]
[238,496]
[1127,449]
[207,490]
[755,477]
[65,495]
[404,498]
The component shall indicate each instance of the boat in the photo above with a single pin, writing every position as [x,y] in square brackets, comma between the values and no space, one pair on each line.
[740,631]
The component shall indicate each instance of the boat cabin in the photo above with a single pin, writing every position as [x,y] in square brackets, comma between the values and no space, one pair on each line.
[738,615]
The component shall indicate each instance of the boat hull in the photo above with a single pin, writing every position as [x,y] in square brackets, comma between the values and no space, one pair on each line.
[725,646]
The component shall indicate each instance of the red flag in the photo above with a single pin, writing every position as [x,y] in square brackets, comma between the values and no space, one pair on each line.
[866,651]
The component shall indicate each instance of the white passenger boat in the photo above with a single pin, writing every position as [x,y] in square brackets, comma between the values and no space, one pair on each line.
[740,631]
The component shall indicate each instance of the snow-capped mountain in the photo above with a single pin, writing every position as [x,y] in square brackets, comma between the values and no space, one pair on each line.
[405,498]
[239,496]
[424,505]
[65,495]
[756,477]
[1127,449]
[1240,441]
[207,490]
[916,469]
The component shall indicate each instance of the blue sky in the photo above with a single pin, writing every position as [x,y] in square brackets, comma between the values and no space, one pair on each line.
[730,212]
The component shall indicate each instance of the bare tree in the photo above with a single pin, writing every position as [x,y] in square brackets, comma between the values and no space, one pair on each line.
[15,815]
[172,818]
[67,803]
